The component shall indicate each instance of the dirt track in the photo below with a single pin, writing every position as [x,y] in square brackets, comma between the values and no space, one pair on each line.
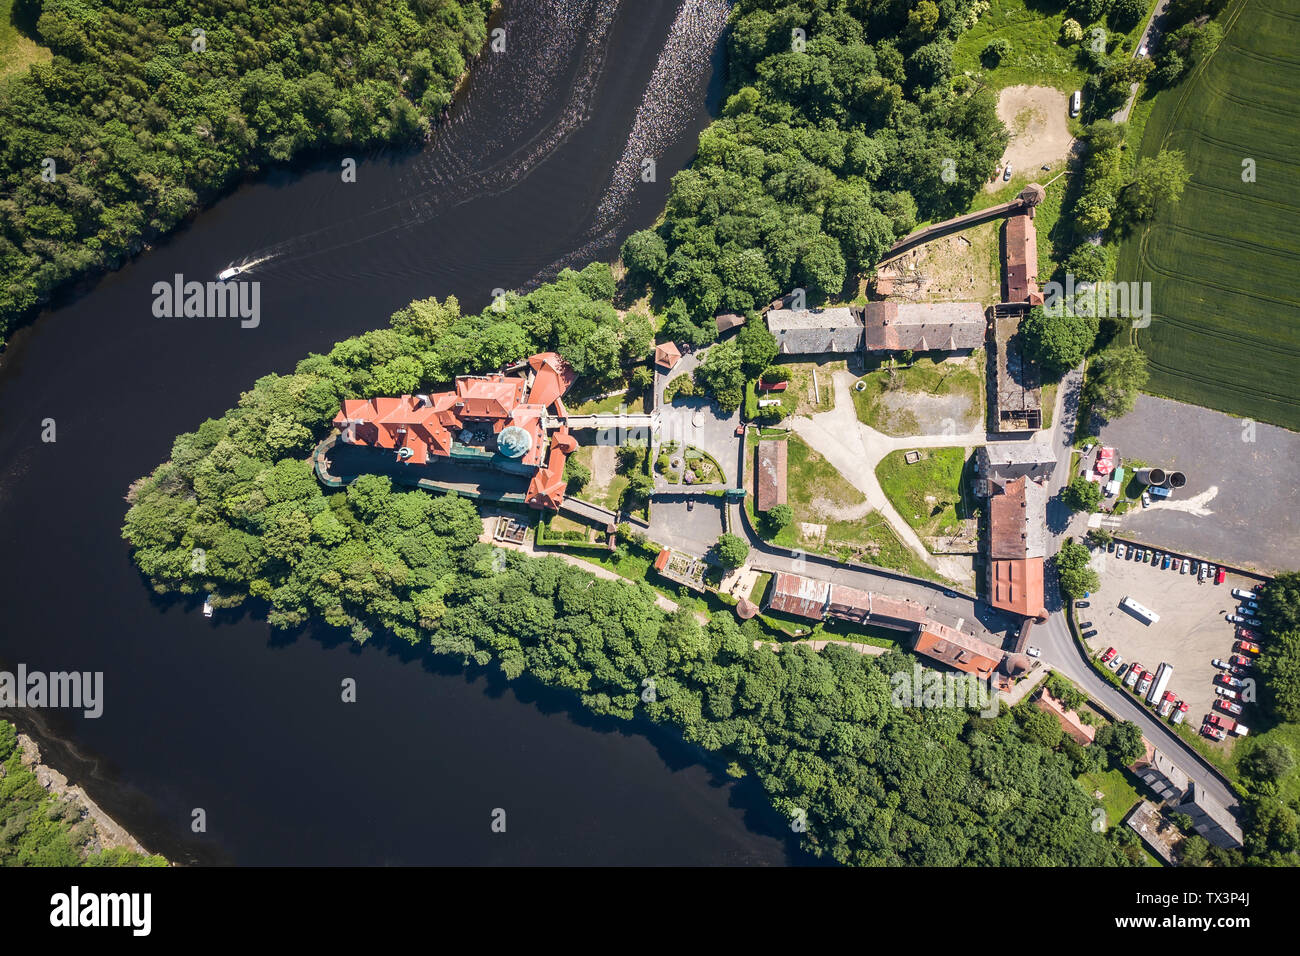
[1036,118]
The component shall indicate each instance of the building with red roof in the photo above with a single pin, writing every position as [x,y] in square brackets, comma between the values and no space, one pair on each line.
[1020,262]
[667,355]
[502,419]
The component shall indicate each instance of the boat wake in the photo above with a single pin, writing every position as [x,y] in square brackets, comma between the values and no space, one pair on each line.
[240,268]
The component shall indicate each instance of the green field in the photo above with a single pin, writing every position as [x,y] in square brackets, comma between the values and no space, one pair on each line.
[1225,326]
[1037,57]
[927,494]
[819,495]
[18,50]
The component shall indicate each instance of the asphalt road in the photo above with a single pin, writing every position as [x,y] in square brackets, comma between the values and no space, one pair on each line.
[1063,653]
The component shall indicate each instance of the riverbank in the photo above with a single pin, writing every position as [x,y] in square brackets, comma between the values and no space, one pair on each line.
[83,826]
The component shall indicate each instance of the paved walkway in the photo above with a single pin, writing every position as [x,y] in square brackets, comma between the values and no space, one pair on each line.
[856,449]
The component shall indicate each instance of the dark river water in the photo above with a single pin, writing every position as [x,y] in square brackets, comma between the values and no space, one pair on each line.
[539,167]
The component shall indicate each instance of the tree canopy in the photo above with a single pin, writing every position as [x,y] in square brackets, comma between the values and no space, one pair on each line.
[826,152]
[145,119]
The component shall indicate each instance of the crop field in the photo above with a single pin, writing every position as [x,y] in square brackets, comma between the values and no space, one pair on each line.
[1225,328]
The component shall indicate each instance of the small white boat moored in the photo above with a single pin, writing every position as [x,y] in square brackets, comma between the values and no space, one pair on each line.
[207,606]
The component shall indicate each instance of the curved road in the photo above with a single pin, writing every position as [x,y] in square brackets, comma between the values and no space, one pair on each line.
[1059,649]
[1058,645]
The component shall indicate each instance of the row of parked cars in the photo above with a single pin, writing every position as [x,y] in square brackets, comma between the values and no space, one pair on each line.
[1203,570]
[1236,670]
[1138,679]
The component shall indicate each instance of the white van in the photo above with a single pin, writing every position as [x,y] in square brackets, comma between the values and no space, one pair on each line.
[1076,102]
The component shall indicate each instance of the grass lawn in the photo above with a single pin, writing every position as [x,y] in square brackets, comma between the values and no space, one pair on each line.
[930,374]
[1120,796]
[927,494]
[634,399]
[1226,323]
[815,492]
[1033,28]
[797,398]
[18,51]
[608,495]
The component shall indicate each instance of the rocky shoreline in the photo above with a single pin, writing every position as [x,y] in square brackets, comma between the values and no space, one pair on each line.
[109,834]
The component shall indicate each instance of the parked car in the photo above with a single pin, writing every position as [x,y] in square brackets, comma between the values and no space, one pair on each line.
[1134,672]
[1180,712]
[1200,575]
[1033,651]
[1227,680]
[1076,102]
[1146,499]
[1220,575]
[1115,662]
[1166,704]
[1006,173]
[1119,552]
[1165,565]
[1218,720]
[1245,633]
[1196,567]
[1187,566]
[1254,622]
[1107,654]
[1087,635]
[1214,733]
[1238,672]
[1228,705]
[1248,646]
[1142,50]
[1241,660]
[1085,624]
[1235,619]
[1227,692]
[1110,545]
[1220,664]
[1243,594]
[1081,603]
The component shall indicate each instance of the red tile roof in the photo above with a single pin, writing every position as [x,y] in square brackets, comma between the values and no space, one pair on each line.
[426,425]
[546,490]
[1021,259]
[552,377]
[1017,586]
[666,355]
[958,649]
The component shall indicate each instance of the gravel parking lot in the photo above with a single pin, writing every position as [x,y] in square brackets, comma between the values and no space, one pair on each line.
[1190,633]
[1241,504]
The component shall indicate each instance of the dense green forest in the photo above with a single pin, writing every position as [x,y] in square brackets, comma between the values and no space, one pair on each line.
[843,127]
[144,120]
[38,828]
[880,784]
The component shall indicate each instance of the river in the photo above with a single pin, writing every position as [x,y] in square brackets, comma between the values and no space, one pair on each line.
[538,167]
